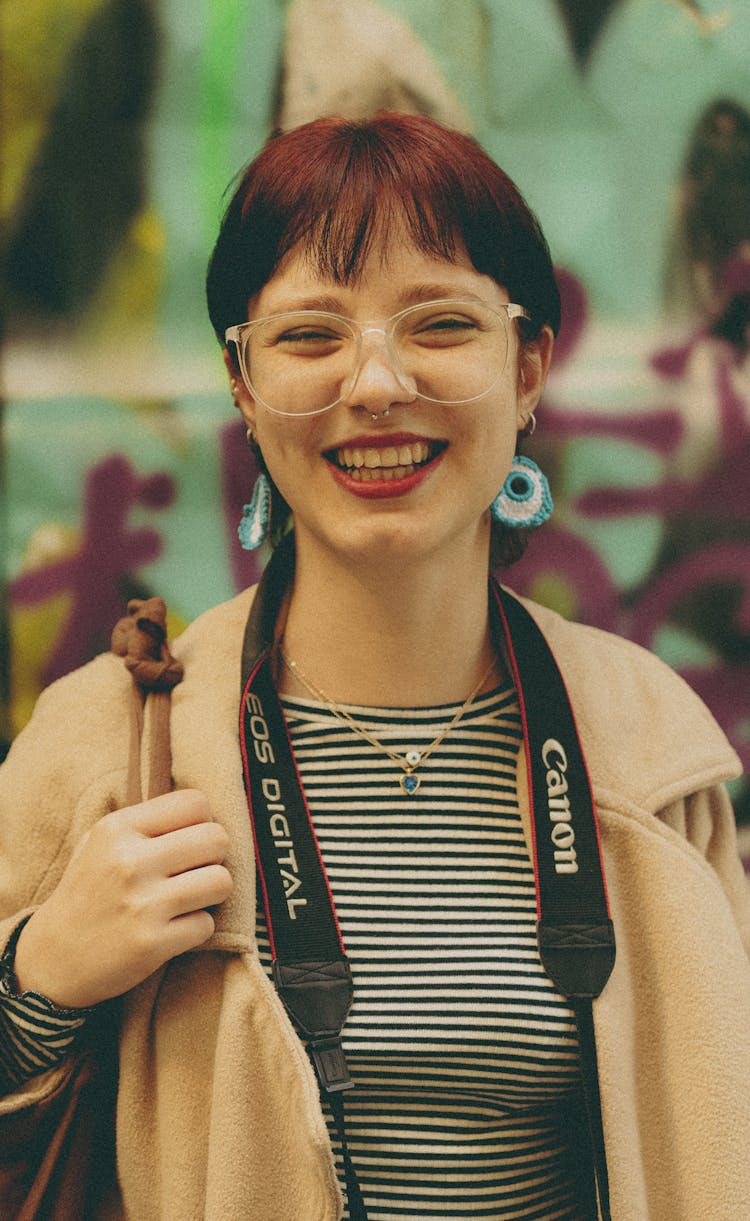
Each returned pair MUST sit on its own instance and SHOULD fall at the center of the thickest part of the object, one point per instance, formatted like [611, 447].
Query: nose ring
[375, 415]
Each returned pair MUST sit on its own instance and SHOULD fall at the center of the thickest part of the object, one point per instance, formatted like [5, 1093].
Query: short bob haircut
[328, 185]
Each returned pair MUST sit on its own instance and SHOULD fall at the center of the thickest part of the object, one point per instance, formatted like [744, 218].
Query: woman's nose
[378, 382]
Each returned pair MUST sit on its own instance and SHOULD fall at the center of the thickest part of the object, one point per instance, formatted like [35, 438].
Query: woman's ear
[241, 396]
[533, 366]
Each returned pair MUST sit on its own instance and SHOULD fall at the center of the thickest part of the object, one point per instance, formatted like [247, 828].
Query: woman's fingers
[203, 843]
[188, 932]
[160, 815]
[196, 888]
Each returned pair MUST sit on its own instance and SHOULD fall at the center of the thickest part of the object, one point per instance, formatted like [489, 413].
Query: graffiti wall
[626, 124]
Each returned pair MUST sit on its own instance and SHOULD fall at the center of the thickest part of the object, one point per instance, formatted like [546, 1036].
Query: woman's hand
[134, 894]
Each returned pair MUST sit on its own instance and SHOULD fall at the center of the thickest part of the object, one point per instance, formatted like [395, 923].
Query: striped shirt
[465, 1058]
[34, 1033]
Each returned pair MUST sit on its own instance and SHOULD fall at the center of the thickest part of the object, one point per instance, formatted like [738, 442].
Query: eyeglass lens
[447, 352]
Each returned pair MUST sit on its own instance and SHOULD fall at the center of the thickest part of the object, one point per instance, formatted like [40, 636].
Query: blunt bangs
[330, 185]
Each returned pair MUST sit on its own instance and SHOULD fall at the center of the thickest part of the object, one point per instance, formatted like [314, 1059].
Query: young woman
[387, 307]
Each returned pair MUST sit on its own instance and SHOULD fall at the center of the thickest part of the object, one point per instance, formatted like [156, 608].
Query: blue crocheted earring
[524, 499]
[256, 516]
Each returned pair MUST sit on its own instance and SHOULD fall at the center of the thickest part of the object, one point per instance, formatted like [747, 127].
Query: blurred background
[626, 123]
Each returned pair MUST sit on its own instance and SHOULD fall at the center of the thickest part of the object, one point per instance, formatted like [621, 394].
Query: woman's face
[435, 467]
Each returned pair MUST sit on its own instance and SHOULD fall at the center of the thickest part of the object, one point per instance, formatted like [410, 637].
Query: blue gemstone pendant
[409, 783]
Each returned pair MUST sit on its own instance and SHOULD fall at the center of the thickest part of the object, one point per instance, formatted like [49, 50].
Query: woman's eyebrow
[438, 291]
[309, 301]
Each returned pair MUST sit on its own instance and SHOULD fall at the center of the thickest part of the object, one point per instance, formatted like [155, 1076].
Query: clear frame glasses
[304, 362]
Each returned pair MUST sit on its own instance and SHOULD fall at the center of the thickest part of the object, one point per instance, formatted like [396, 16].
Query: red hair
[329, 183]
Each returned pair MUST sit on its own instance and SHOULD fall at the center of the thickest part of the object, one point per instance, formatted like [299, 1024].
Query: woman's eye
[310, 336]
[445, 328]
[448, 324]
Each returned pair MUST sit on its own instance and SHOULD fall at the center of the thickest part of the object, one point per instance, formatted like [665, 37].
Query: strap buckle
[330, 1064]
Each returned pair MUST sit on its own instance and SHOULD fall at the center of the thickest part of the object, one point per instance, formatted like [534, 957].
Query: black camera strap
[310, 967]
[575, 932]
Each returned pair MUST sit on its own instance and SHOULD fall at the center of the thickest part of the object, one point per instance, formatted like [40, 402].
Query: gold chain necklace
[412, 759]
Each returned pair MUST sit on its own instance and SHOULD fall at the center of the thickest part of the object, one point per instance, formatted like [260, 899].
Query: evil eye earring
[255, 523]
[524, 499]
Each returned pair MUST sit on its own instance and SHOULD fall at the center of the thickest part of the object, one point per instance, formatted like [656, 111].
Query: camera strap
[310, 967]
[575, 932]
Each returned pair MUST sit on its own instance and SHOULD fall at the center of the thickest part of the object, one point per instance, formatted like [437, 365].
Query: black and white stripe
[465, 1057]
[34, 1034]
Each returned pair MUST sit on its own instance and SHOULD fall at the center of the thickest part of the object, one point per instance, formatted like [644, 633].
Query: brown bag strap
[140, 637]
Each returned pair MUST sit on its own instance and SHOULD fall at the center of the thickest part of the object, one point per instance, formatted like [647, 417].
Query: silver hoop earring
[529, 425]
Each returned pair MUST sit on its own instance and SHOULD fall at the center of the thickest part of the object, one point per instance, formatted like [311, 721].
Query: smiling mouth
[368, 464]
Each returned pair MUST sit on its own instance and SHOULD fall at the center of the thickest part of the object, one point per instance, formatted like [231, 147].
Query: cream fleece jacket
[218, 1113]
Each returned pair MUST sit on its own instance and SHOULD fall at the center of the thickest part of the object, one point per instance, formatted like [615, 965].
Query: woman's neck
[400, 635]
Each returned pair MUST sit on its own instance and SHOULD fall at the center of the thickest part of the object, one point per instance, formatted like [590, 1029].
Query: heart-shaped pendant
[409, 783]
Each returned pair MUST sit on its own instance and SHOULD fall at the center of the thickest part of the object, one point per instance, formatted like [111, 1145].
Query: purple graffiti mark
[726, 691]
[724, 687]
[723, 494]
[574, 305]
[728, 323]
[672, 364]
[239, 470]
[108, 551]
[660, 430]
[720, 563]
[558, 552]
[726, 337]
[734, 412]
[567, 557]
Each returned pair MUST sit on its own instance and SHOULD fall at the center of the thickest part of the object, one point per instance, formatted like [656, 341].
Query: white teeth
[380, 474]
[390, 458]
